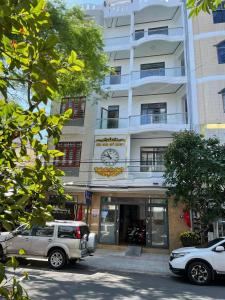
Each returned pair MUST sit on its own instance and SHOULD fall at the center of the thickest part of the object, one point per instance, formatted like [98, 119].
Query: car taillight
[77, 233]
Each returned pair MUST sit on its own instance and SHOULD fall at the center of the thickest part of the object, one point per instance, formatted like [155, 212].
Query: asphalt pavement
[82, 281]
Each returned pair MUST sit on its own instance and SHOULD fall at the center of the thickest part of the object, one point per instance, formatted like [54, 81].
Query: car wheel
[199, 273]
[57, 259]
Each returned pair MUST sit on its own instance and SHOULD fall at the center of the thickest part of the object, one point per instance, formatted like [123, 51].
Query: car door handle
[50, 240]
[27, 239]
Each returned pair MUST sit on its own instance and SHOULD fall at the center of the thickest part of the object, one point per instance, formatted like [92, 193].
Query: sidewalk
[117, 261]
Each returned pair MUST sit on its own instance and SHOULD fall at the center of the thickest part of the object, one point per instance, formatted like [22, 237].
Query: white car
[201, 263]
[59, 241]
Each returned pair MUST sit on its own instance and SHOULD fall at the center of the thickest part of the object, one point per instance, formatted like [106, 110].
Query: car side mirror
[219, 249]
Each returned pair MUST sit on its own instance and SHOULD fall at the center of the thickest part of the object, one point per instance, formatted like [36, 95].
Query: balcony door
[115, 76]
[153, 69]
[113, 116]
[152, 159]
[153, 113]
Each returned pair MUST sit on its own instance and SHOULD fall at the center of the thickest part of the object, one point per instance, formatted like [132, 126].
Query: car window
[43, 231]
[25, 232]
[66, 232]
[211, 243]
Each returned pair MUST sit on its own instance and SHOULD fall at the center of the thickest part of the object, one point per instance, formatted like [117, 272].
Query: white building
[120, 144]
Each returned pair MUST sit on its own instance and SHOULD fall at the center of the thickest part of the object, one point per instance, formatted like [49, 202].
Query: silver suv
[59, 241]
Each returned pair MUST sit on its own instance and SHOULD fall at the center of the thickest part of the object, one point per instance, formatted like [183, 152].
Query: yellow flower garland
[109, 171]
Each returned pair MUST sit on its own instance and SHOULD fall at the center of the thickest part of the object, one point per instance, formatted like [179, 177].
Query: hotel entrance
[131, 221]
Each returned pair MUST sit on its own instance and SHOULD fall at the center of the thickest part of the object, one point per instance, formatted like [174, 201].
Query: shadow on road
[82, 282]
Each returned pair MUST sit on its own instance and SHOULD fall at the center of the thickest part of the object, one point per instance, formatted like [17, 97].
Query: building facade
[165, 77]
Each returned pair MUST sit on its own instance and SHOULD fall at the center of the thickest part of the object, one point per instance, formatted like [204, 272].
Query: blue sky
[75, 2]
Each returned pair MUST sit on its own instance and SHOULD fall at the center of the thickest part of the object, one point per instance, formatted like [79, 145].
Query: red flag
[187, 218]
[80, 213]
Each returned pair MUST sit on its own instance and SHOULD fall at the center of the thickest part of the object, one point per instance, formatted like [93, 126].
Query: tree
[31, 60]
[195, 174]
[75, 31]
[196, 6]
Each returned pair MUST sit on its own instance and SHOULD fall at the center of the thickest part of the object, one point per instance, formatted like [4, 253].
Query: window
[222, 92]
[43, 231]
[113, 116]
[219, 13]
[152, 159]
[67, 232]
[115, 76]
[158, 30]
[153, 113]
[139, 34]
[72, 154]
[76, 104]
[221, 52]
[153, 69]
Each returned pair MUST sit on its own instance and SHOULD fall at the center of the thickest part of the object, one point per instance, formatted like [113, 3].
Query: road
[85, 282]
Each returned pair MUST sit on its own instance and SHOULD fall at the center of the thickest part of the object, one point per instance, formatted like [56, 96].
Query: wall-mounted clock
[109, 157]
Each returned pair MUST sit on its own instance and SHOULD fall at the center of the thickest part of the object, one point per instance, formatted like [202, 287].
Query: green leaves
[207, 6]
[195, 173]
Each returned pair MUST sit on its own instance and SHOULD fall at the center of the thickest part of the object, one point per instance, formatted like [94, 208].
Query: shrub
[189, 238]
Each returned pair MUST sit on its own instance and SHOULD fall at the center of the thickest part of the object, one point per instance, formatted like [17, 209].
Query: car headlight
[177, 255]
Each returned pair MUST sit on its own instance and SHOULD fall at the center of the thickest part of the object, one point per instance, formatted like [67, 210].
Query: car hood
[185, 249]
[4, 236]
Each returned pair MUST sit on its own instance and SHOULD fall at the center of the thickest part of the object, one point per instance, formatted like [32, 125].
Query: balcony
[144, 123]
[160, 75]
[116, 82]
[164, 33]
[141, 171]
[117, 43]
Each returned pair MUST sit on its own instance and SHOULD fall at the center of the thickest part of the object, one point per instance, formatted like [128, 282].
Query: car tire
[57, 259]
[199, 273]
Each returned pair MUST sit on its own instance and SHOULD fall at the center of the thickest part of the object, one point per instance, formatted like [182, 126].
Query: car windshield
[211, 243]
[20, 228]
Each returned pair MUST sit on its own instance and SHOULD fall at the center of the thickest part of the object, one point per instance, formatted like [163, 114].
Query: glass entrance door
[109, 228]
[156, 225]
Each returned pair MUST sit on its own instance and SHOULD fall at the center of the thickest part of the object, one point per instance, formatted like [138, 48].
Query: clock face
[109, 157]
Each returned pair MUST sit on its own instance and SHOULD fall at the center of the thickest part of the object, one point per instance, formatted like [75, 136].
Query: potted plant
[189, 238]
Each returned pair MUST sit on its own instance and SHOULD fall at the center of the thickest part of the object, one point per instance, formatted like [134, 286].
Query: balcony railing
[111, 123]
[170, 72]
[75, 122]
[176, 31]
[147, 119]
[117, 41]
[116, 79]
[141, 120]
[152, 166]
[69, 167]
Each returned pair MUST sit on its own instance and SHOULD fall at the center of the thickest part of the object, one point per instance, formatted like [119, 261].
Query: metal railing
[163, 118]
[170, 72]
[115, 41]
[141, 120]
[175, 31]
[116, 79]
[111, 123]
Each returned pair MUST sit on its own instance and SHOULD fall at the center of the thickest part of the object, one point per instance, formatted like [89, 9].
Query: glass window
[67, 232]
[158, 30]
[72, 154]
[153, 113]
[152, 159]
[153, 69]
[76, 104]
[221, 52]
[219, 13]
[113, 116]
[115, 76]
[139, 34]
[43, 231]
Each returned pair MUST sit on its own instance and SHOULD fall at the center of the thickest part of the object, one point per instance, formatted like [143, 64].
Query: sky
[75, 2]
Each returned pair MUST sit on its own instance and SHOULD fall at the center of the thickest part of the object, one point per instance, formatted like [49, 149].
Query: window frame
[219, 14]
[69, 148]
[77, 104]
